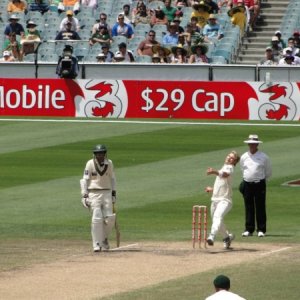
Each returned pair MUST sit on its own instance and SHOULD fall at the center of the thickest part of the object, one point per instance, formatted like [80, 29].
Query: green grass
[160, 172]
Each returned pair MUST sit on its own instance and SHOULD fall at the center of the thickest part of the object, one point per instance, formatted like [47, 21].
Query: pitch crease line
[275, 251]
[124, 247]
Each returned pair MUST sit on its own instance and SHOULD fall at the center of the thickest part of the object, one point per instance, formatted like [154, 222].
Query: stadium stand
[283, 15]
[270, 20]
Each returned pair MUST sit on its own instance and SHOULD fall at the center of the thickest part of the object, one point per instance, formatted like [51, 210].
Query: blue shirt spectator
[171, 37]
[14, 26]
[121, 28]
[212, 31]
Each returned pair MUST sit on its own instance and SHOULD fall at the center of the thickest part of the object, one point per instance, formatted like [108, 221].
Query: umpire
[256, 169]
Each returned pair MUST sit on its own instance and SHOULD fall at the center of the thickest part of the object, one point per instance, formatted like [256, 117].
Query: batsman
[98, 191]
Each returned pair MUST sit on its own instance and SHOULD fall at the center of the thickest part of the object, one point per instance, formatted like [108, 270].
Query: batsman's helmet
[100, 149]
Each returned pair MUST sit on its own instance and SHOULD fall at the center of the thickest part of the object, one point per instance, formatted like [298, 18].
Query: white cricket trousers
[101, 205]
[218, 210]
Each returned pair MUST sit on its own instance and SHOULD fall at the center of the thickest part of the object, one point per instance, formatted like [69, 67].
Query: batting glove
[85, 202]
[114, 196]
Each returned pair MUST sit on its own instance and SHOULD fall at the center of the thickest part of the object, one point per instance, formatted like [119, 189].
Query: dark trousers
[255, 206]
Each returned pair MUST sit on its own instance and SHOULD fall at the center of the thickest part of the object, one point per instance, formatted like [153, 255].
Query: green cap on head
[222, 282]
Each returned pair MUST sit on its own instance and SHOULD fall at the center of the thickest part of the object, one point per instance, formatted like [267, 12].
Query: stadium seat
[53, 21]
[159, 37]
[45, 51]
[143, 59]
[86, 11]
[49, 14]
[51, 57]
[50, 46]
[136, 40]
[91, 57]
[141, 29]
[53, 8]
[29, 57]
[86, 22]
[119, 39]
[155, 4]
[96, 48]
[50, 33]
[226, 53]
[32, 14]
[232, 41]
[218, 60]
[104, 7]
[3, 6]
[160, 28]
[211, 48]
[81, 53]
[85, 33]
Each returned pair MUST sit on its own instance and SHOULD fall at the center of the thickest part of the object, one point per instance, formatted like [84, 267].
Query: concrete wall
[140, 71]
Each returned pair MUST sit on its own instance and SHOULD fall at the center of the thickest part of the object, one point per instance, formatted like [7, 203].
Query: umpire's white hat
[253, 139]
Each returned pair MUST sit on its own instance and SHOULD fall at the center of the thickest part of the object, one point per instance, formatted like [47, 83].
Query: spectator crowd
[104, 31]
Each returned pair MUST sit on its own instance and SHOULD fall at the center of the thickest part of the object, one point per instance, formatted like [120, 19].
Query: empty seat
[143, 59]
[50, 33]
[91, 57]
[51, 57]
[81, 53]
[119, 39]
[160, 28]
[141, 29]
[224, 53]
[218, 60]
[155, 4]
[29, 57]
[85, 34]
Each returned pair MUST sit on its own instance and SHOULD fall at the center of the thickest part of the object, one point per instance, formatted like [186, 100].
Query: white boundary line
[275, 251]
[151, 122]
[291, 185]
[124, 247]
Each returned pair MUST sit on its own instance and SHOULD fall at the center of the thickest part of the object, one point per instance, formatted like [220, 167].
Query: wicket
[202, 225]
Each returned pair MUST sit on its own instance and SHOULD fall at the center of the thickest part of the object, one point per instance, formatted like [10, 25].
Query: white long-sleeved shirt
[94, 181]
[223, 185]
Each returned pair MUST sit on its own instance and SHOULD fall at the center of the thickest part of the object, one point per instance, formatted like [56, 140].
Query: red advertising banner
[150, 99]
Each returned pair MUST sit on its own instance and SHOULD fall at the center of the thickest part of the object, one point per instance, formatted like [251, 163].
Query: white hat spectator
[287, 51]
[13, 17]
[6, 53]
[101, 55]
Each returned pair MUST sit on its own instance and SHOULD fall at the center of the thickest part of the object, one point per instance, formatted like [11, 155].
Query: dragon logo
[275, 102]
[102, 99]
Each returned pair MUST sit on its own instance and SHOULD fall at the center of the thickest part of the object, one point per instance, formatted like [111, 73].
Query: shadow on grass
[280, 235]
[228, 251]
